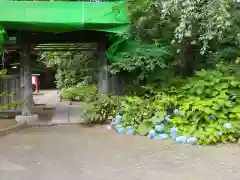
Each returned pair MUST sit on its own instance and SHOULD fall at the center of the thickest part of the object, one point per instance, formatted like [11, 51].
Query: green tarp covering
[64, 16]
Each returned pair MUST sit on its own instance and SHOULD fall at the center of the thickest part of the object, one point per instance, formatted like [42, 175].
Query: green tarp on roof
[64, 16]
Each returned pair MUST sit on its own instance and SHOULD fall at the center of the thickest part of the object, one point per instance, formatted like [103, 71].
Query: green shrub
[208, 102]
[143, 113]
[101, 110]
[86, 93]
[12, 104]
[206, 106]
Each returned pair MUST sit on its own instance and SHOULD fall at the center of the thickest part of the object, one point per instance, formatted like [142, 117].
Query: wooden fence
[10, 84]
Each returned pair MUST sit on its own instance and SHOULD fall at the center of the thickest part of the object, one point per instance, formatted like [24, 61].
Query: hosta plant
[210, 107]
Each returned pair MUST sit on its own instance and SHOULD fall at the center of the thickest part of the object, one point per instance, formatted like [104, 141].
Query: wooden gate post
[103, 84]
[26, 80]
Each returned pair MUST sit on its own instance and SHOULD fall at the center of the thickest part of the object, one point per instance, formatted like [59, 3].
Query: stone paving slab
[62, 113]
[76, 112]
[65, 112]
[48, 97]
[78, 153]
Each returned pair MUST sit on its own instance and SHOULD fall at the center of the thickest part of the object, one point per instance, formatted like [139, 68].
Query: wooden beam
[62, 50]
[103, 84]
[26, 80]
[82, 36]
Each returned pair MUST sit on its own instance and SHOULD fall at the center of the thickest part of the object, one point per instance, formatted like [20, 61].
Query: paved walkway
[72, 152]
[65, 113]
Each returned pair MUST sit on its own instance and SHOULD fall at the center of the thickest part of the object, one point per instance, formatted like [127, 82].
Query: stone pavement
[73, 152]
[65, 113]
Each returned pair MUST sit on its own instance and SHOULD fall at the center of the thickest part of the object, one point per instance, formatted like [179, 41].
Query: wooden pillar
[103, 84]
[26, 81]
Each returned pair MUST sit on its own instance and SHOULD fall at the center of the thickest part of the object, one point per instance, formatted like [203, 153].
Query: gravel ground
[73, 152]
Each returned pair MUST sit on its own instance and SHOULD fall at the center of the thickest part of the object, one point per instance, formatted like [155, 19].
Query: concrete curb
[20, 126]
[13, 128]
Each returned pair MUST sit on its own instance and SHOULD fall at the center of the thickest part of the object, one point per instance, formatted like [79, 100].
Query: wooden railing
[10, 84]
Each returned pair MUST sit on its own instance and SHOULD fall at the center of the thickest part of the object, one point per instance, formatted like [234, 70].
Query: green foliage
[3, 72]
[12, 104]
[207, 102]
[142, 113]
[139, 60]
[81, 92]
[70, 68]
[102, 110]
[211, 93]
[198, 21]
[197, 31]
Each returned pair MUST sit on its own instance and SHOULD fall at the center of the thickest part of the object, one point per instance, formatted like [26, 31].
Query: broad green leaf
[221, 115]
[199, 90]
[221, 86]
[228, 104]
[215, 93]
[216, 107]
[238, 115]
[156, 120]
[234, 83]
[148, 120]
[201, 73]
[208, 91]
[160, 114]
[177, 120]
[143, 129]
[236, 109]
[232, 116]
[208, 110]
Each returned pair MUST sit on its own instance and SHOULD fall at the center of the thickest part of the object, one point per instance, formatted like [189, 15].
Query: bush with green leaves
[71, 68]
[102, 110]
[210, 106]
[205, 107]
[143, 113]
[140, 61]
[81, 92]
[12, 104]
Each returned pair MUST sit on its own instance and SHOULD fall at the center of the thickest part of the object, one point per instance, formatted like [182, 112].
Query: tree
[195, 28]
[70, 68]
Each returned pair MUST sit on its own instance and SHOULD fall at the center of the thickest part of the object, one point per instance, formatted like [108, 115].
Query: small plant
[101, 110]
[12, 104]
